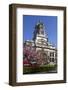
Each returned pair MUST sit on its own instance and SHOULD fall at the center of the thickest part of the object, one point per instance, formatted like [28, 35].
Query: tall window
[52, 57]
[52, 54]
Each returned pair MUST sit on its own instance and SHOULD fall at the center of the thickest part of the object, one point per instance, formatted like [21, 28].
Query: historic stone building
[41, 43]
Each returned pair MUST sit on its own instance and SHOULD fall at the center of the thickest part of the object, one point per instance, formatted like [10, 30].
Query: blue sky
[50, 23]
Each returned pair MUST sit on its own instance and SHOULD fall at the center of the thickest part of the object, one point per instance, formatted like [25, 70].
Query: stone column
[48, 56]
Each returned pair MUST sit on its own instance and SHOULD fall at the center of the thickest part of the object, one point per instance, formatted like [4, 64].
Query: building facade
[40, 42]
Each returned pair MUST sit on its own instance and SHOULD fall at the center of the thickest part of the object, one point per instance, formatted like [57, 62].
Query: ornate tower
[40, 37]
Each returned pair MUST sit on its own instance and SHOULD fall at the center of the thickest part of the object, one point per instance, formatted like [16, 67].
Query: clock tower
[40, 37]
